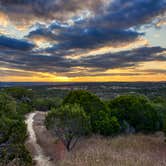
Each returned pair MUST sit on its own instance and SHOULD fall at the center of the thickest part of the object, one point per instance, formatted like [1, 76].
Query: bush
[101, 120]
[12, 132]
[85, 99]
[45, 104]
[23, 108]
[103, 123]
[7, 105]
[138, 112]
[20, 93]
[68, 122]
[15, 155]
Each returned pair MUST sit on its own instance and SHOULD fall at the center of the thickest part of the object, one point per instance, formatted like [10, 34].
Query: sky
[82, 41]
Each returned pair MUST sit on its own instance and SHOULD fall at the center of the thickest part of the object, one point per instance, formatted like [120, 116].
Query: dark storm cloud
[117, 13]
[41, 30]
[46, 6]
[12, 43]
[32, 61]
[115, 25]
[48, 9]
[127, 13]
[124, 58]
[76, 38]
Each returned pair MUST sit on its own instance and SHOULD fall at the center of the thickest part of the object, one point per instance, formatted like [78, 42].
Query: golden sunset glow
[4, 20]
[41, 42]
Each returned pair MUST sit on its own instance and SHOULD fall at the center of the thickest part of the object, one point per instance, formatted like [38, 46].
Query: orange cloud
[4, 20]
[30, 76]
[42, 42]
[161, 23]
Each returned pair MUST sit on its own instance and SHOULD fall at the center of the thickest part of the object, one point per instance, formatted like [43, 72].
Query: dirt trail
[42, 145]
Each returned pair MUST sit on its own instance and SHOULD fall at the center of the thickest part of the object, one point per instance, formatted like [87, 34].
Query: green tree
[138, 111]
[69, 123]
[103, 123]
[85, 99]
[100, 117]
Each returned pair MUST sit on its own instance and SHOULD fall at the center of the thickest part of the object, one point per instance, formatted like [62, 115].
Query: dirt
[43, 146]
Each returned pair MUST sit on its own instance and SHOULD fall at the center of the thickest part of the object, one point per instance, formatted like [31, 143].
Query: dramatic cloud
[11, 43]
[48, 9]
[69, 37]
[125, 58]
[55, 34]
[58, 64]
[127, 13]
[114, 26]
[114, 12]
[92, 38]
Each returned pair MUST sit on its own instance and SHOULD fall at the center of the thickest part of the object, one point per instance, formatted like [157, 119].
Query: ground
[52, 146]
[131, 150]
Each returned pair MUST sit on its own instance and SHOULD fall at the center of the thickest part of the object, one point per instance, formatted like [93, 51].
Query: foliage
[87, 100]
[18, 155]
[20, 93]
[13, 131]
[69, 122]
[138, 111]
[103, 123]
[160, 100]
[101, 120]
[45, 104]
[23, 108]
[51, 92]
[7, 105]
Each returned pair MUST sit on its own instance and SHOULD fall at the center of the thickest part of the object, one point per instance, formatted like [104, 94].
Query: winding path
[39, 155]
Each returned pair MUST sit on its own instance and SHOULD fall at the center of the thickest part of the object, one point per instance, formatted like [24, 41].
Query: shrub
[138, 111]
[7, 105]
[23, 108]
[20, 93]
[103, 123]
[85, 99]
[101, 120]
[45, 104]
[12, 132]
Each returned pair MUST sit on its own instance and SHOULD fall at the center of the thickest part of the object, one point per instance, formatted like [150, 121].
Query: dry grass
[134, 150]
